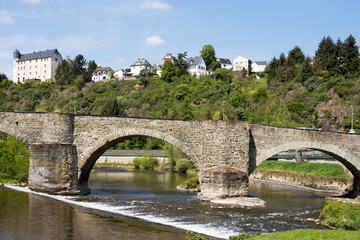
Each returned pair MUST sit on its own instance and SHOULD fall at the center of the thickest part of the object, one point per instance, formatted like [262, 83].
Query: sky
[115, 33]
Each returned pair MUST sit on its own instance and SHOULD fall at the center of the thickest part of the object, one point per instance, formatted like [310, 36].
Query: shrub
[341, 215]
[183, 165]
[191, 183]
[243, 236]
[149, 162]
[136, 162]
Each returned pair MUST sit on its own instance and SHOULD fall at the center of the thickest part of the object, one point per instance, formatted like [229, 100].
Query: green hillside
[293, 91]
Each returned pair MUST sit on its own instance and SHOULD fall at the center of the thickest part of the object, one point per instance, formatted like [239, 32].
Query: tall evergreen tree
[326, 55]
[350, 54]
[296, 56]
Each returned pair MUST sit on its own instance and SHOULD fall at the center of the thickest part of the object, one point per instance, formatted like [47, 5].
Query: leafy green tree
[89, 71]
[112, 108]
[78, 65]
[168, 71]
[180, 64]
[223, 75]
[208, 54]
[63, 74]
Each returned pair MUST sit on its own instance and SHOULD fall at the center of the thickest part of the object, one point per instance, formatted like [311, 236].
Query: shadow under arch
[93, 153]
[334, 151]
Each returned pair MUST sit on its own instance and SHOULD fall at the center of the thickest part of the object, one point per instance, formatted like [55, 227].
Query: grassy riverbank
[310, 234]
[317, 169]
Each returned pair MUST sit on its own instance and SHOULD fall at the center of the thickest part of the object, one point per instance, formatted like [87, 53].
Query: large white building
[241, 63]
[139, 65]
[258, 66]
[101, 74]
[197, 66]
[37, 65]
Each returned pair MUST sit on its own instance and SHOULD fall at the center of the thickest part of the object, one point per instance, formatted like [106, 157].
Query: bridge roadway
[65, 147]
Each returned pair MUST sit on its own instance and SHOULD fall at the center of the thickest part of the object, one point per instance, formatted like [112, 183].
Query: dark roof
[224, 61]
[260, 62]
[40, 54]
[100, 71]
[194, 61]
[141, 62]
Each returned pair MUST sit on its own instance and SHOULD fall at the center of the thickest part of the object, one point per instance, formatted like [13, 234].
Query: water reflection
[28, 216]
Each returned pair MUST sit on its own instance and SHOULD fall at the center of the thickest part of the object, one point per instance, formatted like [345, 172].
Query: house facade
[139, 65]
[258, 66]
[167, 57]
[241, 63]
[196, 65]
[102, 74]
[37, 65]
[224, 63]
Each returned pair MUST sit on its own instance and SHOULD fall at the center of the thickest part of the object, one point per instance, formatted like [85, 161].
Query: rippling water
[131, 204]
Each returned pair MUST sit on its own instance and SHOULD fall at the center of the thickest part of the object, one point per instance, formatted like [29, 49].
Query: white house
[241, 63]
[167, 57]
[37, 65]
[101, 74]
[139, 65]
[224, 63]
[119, 74]
[258, 66]
[196, 65]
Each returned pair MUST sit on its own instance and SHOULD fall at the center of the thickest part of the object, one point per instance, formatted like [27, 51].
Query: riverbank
[323, 178]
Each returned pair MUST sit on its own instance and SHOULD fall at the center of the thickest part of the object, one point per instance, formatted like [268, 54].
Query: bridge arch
[15, 134]
[93, 152]
[340, 154]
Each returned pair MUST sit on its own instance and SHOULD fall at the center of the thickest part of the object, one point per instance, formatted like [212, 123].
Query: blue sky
[116, 33]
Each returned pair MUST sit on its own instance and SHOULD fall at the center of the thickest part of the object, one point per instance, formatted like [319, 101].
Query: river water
[135, 204]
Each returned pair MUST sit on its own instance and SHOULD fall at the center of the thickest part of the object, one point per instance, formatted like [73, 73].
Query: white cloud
[153, 41]
[155, 5]
[32, 1]
[5, 18]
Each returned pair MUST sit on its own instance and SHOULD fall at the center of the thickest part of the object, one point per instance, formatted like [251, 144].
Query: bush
[146, 162]
[183, 165]
[191, 183]
[243, 236]
[136, 162]
[341, 215]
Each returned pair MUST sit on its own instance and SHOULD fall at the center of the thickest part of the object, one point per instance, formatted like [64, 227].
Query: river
[137, 204]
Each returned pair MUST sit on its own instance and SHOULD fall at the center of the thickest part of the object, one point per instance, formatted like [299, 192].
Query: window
[55, 59]
[44, 65]
[35, 66]
[29, 73]
[24, 67]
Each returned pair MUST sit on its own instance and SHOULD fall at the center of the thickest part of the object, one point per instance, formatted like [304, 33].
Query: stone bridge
[65, 147]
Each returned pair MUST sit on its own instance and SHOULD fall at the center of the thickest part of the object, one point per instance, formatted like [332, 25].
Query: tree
[350, 54]
[78, 65]
[180, 64]
[168, 71]
[2, 76]
[112, 108]
[63, 74]
[326, 55]
[296, 56]
[223, 75]
[90, 69]
[208, 54]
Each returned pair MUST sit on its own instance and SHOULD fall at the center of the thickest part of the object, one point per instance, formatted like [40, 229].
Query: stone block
[223, 182]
